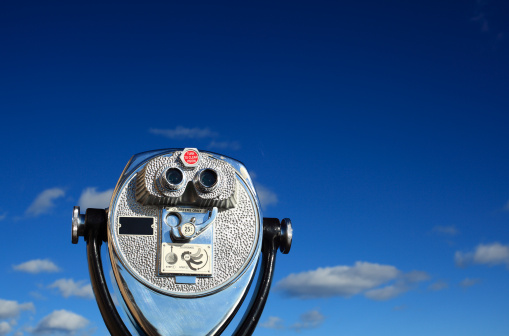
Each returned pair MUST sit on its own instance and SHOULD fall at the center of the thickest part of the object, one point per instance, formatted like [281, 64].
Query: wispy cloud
[490, 22]
[481, 19]
[91, 198]
[402, 284]
[346, 281]
[273, 322]
[12, 309]
[399, 308]
[446, 230]
[44, 202]
[224, 145]
[3, 216]
[37, 266]
[266, 196]
[37, 295]
[5, 328]
[386, 293]
[309, 320]
[68, 287]
[181, 132]
[484, 254]
[506, 207]
[469, 282]
[438, 286]
[60, 322]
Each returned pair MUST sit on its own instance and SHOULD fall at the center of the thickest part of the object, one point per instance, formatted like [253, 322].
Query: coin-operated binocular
[185, 237]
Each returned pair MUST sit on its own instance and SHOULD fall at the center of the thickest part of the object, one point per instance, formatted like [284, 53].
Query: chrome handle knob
[78, 224]
[285, 239]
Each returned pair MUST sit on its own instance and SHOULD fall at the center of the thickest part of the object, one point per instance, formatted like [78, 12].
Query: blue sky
[379, 128]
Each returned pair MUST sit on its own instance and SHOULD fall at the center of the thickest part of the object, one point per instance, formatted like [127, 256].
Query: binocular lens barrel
[208, 178]
[174, 176]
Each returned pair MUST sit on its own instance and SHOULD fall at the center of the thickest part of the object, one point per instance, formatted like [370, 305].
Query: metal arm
[270, 244]
[95, 233]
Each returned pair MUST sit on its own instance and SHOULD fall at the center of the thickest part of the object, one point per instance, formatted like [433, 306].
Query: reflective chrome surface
[160, 312]
[78, 224]
[186, 218]
[201, 186]
[286, 236]
[163, 180]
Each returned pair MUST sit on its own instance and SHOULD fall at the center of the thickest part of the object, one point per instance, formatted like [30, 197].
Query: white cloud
[181, 132]
[469, 282]
[266, 196]
[273, 322]
[10, 309]
[347, 281]
[484, 254]
[3, 216]
[446, 230]
[493, 254]
[91, 198]
[309, 320]
[68, 287]
[5, 328]
[223, 145]
[61, 321]
[44, 202]
[506, 207]
[338, 280]
[37, 266]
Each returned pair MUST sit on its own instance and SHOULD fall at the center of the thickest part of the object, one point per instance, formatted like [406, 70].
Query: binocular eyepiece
[185, 235]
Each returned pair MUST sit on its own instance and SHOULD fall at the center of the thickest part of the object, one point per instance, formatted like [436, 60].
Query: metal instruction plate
[191, 259]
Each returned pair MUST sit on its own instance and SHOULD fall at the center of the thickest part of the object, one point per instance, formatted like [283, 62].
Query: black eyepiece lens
[174, 176]
[208, 178]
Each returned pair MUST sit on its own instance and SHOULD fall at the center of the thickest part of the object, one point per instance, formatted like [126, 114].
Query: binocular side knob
[286, 235]
[78, 224]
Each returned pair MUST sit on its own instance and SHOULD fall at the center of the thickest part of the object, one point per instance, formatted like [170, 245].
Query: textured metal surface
[236, 230]
[150, 193]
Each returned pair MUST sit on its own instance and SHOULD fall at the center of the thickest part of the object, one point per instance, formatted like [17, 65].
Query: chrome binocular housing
[185, 237]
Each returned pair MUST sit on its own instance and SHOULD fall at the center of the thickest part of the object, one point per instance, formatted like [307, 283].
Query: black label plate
[140, 226]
